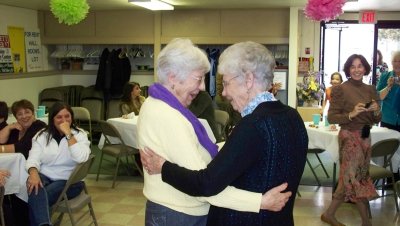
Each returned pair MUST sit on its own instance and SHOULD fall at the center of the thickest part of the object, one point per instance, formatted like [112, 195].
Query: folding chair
[63, 205]
[386, 149]
[113, 110]
[48, 97]
[93, 101]
[116, 149]
[82, 118]
[397, 189]
[316, 151]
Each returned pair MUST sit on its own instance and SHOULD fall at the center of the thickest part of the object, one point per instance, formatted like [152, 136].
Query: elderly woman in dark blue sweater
[266, 148]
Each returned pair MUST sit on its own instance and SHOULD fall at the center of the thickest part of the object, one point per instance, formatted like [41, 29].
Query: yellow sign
[17, 41]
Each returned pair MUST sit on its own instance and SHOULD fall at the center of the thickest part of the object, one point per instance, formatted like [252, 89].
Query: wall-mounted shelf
[87, 57]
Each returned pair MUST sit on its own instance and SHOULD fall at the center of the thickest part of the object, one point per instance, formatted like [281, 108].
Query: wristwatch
[69, 136]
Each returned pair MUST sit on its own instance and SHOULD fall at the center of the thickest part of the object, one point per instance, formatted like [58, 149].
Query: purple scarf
[160, 92]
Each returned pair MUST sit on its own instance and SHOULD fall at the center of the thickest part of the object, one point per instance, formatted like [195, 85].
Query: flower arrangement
[310, 89]
[318, 10]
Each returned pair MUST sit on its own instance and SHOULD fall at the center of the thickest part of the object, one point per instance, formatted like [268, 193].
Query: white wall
[17, 17]
[29, 88]
[26, 88]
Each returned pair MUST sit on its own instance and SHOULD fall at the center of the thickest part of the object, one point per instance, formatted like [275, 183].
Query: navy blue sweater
[265, 149]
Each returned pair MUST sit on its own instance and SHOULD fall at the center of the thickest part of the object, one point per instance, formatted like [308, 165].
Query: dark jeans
[39, 205]
[158, 215]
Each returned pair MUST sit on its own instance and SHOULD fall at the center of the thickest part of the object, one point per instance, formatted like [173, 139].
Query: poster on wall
[17, 36]
[33, 51]
[281, 77]
[6, 64]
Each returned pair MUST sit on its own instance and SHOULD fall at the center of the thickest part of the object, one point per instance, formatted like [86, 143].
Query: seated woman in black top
[17, 137]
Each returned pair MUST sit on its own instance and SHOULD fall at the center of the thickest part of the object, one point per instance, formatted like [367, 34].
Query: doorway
[340, 39]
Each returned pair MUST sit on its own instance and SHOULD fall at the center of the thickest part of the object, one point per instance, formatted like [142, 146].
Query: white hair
[181, 57]
[395, 55]
[245, 57]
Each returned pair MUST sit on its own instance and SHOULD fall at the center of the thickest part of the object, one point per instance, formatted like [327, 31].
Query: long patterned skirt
[355, 183]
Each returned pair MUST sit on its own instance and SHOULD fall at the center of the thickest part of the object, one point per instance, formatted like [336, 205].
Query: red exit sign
[367, 17]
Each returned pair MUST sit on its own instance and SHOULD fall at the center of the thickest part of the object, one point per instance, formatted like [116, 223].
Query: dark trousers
[16, 211]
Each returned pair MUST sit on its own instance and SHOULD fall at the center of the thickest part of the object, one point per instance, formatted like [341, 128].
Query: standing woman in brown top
[355, 108]
[131, 99]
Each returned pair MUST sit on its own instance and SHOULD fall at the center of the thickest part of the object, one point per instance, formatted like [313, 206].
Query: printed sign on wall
[6, 65]
[17, 42]
[33, 50]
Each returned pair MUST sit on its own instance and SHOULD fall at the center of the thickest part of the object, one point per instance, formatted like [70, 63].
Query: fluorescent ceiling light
[152, 4]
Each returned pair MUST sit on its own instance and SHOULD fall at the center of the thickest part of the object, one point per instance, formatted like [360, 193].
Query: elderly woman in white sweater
[55, 152]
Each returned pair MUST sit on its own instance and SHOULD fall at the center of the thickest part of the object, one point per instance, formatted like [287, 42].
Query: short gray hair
[244, 57]
[180, 57]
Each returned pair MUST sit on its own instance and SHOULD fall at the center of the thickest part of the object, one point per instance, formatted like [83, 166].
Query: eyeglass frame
[202, 79]
[226, 83]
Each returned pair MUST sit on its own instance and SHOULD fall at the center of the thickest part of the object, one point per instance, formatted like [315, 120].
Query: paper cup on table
[316, 118]
[40, 112]
[42, 107]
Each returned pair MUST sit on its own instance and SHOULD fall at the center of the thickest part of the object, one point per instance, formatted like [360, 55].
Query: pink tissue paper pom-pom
[326, 10]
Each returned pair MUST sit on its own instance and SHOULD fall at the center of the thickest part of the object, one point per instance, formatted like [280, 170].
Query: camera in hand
[368, 104]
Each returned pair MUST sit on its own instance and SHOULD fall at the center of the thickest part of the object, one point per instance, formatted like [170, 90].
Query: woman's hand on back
[151, 161]
[275, 199]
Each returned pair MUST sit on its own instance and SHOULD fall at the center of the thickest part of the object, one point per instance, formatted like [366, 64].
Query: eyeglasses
[226, 83]
[199, 79]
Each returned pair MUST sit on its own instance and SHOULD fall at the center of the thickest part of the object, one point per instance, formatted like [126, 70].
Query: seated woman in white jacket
[56, 150]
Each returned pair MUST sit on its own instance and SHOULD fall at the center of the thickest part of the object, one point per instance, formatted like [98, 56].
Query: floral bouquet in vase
[311, 90]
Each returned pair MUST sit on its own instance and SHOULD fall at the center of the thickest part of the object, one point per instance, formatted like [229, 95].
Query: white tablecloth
[328, 140]
[128, 130]
[16, 183]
